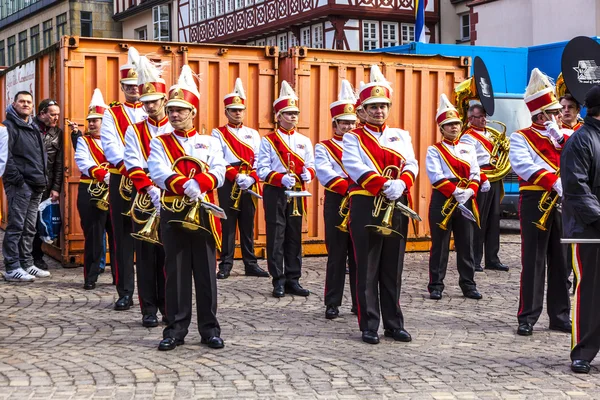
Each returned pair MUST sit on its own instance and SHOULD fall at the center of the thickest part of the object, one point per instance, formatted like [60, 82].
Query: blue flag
[420, 21]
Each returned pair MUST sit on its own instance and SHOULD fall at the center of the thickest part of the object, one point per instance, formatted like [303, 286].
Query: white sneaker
[38, 273]
[18, 275]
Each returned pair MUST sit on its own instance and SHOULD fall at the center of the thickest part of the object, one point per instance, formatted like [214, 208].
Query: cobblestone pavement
[59, 341]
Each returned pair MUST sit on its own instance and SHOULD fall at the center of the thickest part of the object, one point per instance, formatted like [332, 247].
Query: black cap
[592, 97]
[44, 104]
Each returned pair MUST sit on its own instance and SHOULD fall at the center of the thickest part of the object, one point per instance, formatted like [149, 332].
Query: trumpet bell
[192, 221]
[383, 230]
[149, 233]
[101, 203]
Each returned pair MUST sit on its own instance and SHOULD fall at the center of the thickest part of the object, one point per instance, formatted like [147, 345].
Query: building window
[220, 5]
[193, 11]
[272, 41]
[370, 35]
[229, 6]
[389, 33]
[317, 36]
[11, 50]
[465, 27]
[282, 42]
[141, 33]
[408, 33]
[239, 4]
[47, 26]
[2, 54]
[86, 23]
[210, 9]
[250, 43]
[22, 45]
[34, 34]
[202, 10]
[292, 39]
[305, 36]
[161, 22]
[251, 2]
[61, 24]
[261, 42]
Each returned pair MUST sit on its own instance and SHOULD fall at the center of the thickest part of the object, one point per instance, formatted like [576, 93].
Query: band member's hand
[246, 182]
[154, 194]
[288, 181]
[394, 189]
[461, 195]
[305, 175]
[107, 178]
[485, 186]
[554, 129]
[73, 125]
[558, 187]
[192, 189]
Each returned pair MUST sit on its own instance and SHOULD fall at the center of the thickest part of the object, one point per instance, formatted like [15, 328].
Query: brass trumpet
[99, 191]
[344, 213]
[547, 203]
[450, 206]
[381, 202]
[296, 191]
[236, 191]
[149, 232]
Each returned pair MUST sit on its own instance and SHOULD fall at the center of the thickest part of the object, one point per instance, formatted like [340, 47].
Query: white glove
[107, 178]
[154, 194]
[554, 129]
[485, 187]
[246, 182]
[192, 189]
[394, 189]
[305, 175]
[558, 187]
[463, 195]
[288, 181]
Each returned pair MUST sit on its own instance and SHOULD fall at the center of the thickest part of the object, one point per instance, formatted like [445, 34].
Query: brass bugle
[99, 191]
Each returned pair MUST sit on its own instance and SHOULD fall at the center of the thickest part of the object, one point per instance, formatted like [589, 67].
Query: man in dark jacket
[24, 183]
[47, 122]
[580, 174]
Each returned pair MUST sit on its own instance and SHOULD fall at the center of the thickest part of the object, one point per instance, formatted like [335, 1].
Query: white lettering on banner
[21, 78]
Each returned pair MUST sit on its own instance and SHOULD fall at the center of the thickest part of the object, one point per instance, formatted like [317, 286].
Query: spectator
[24, 183]
[3, 148]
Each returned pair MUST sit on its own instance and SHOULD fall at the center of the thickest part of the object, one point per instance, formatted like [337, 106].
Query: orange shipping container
[70, 70]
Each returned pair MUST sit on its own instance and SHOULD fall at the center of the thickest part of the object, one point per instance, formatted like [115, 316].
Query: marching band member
[581, 217]
[239, 144]
[535, 158]
[368, 151]
[453, 171]
[360, 111]
[93, 165]
[150, 257]
[285, 161]
[331, 174]
[114, 124]
[570, 112]
[188, 252]
[490, 193]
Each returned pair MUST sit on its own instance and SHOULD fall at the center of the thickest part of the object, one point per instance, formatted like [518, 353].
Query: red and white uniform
[447, 161]
[88, 157]
[328, 161]
[114, 125]
[239, 144]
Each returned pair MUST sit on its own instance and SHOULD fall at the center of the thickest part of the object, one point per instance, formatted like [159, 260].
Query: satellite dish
[581, 66]
[484, 86]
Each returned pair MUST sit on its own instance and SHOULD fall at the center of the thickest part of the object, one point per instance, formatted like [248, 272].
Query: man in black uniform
[580, 161]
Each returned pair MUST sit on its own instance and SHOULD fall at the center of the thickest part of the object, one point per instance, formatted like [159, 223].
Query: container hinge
[124, 46]
[302, 51]
[272, 51]
[222, 51]
[167, 48]
[183, 49]
[72, 42]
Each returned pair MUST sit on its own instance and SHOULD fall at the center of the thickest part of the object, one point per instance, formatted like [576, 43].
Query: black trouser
[440, 245]
[284, 236]
[586, 316]
[95, 224]
[123, 241]
[245, 217]
[36, 250]
[339, 249]
[489, 235]
[150, 272]
[537, 248]
[189, 253]
[379, 265]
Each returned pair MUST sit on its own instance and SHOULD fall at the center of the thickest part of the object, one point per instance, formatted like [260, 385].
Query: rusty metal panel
[417, 81]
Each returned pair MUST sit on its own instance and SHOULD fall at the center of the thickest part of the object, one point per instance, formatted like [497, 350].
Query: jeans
[23, 205]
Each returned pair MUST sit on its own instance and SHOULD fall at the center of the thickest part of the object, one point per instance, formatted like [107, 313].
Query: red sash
[481, 139]
[543, 146]
[335, 151]
[96, 151]
[144, 137]
[122, 120]
[380, 156]
[459, 167]
[284, 151]
[239, 148]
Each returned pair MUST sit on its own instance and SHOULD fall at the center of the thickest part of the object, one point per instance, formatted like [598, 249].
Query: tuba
[547, 203]
[99, 191]
[463, 94]
[143, 205]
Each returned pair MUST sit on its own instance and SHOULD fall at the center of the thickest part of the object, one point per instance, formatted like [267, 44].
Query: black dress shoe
[399, 335]
[89, 286]
[41, 264]
[525, 329]
[278, 291]
[295, 289]
[169, 344]
[257, 271]
[567, 328]
[223, 274]
[149, 321]
[370, 337]
[435, 295]
[498, 267]
[580, 366]
[478, 268]
[124, 303]
[214, 342]
[354, 310]
[473, 294]
[332, 312]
